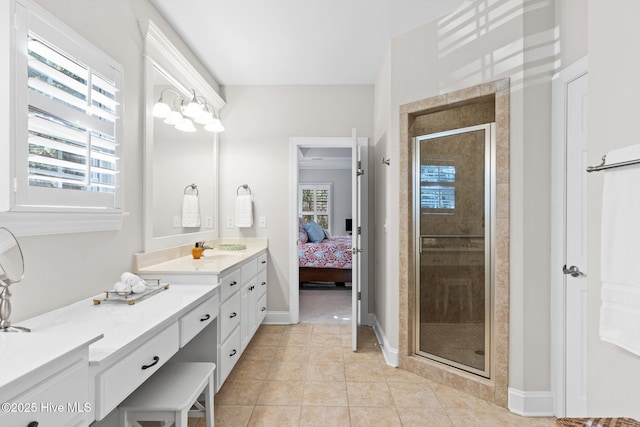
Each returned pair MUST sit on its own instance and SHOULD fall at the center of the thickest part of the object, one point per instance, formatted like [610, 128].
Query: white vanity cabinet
[253, 298]
[239, 312]
[229, 342]
[136, 341]
[44, 380]
[240, 277]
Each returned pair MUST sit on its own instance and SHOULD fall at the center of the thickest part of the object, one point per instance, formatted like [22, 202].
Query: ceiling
[296, 42]
[324, 158]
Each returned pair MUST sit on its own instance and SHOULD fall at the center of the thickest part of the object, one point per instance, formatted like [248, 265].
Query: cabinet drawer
[57, 401]
[261, 286]
[198, 318]
[117, 382]
[229, 316]
[229, 355]
[262, 261]
[249, 270]
[262, 308]
[229, 283]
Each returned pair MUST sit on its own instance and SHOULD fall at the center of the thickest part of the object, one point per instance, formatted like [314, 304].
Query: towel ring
[244, 187]
[193, 187]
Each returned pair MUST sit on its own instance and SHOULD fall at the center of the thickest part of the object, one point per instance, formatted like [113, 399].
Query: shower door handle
[573, 271]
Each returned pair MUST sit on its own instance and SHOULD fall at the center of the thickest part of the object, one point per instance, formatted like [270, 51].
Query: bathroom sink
[221, 255]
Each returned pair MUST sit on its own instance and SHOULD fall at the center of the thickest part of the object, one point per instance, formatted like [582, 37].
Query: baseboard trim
[531, 403]
[390, 354]
[277, 318]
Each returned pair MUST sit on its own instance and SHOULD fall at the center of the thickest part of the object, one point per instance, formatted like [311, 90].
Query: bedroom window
[314, 203]
[437, 187]
[67, 124]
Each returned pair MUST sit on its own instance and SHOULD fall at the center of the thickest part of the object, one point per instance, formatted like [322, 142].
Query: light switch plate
[262, 222]
[208, 222]
[177, 223]
[229, 222]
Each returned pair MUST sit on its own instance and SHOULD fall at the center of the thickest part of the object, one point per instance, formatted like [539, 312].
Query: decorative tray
[129, 298]
[231, 247]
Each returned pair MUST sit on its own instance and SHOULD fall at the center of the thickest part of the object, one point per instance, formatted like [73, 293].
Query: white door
[575, 248]
[356, 172]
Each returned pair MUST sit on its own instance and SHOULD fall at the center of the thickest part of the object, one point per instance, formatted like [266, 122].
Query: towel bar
[193, 187]
[602, 165]
[244, 187]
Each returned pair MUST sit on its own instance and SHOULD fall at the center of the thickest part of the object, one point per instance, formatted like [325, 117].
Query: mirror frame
[163, 56]
[4, 278]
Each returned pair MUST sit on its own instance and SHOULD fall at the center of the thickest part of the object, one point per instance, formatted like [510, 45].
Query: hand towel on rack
[244, 210]
[620, 257]
[190, 211]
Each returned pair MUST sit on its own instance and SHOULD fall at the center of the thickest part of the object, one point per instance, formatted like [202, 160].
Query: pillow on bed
[327, 233]
[315, 232]
[303, 237]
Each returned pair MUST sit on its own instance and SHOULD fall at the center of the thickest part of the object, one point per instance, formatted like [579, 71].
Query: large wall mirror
[175, 160]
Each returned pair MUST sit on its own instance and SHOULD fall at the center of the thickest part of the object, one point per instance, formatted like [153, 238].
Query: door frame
[295, 143]
[557, 280]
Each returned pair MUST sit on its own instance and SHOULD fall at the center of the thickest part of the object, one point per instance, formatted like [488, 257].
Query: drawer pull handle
[263, 308]
[205, 318]
[33, 424]
[263, 262]
[232, 315]
[156, 359]
[233, 283]
[263, 283]
[233, 353]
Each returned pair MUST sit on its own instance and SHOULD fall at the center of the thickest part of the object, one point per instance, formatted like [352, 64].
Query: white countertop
[22, 353]
[213, 261]
[121, 324]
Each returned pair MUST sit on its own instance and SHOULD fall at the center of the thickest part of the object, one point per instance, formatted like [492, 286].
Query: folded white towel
[190, 211]
[139, 287]
[244, 211]
[129, 278]
[121, 287]
[620, 308]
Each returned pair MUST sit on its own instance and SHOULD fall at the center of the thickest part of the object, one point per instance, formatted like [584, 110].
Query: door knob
[573, 271]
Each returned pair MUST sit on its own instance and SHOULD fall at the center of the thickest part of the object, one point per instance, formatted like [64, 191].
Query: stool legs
[208, 397]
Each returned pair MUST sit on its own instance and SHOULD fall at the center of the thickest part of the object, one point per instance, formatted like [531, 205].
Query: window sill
[42, 223]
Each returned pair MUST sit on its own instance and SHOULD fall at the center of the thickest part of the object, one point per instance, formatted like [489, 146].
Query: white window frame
[30, 210]
[317, 185]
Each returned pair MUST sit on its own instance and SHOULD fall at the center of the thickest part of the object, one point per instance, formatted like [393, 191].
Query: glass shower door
[453, 213]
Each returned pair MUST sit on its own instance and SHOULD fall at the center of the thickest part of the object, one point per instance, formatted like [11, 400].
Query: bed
[326, 260]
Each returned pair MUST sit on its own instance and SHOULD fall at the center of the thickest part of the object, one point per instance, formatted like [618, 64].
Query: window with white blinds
[314, 203]
[72, 115]
[68, 149]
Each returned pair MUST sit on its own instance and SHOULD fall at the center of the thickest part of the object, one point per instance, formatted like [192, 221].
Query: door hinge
[15, 184]
[359, 230]
[360, 171]
[359, 296]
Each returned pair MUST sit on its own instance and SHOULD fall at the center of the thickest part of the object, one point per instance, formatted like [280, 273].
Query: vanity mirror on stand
[11, 272]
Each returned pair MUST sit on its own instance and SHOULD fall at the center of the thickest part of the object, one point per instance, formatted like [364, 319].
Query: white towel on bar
[190, 211]
[620, 252]
[244, 211]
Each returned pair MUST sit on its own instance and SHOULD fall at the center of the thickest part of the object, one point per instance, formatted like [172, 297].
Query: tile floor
[307, 375]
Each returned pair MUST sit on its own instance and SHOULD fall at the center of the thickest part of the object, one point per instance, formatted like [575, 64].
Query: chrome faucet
[203, 246]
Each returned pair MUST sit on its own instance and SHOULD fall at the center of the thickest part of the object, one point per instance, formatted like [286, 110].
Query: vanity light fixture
[186, 112]
[186, 125]
[194, 107]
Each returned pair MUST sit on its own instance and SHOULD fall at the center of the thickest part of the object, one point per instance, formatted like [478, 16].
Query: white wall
[613, 374]
[61, 269]
[341, 198]
[479, 43]
[255, 151]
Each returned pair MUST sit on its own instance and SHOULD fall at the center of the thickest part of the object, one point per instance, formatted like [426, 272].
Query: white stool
[464, 289]
[169, 394]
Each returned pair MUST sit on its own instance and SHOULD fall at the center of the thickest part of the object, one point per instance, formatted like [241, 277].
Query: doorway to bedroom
[322, 218]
